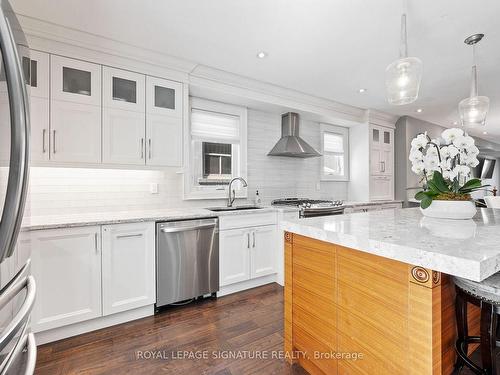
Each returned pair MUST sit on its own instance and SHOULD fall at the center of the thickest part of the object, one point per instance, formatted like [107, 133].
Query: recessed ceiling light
[419, 110]
[262, 55]
[485, 133]
[455, 122]
[361, 91]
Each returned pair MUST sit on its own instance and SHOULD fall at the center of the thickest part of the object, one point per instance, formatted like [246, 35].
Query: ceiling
[328, 48]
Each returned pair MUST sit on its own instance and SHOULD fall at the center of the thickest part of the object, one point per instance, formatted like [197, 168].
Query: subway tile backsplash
[56, 190]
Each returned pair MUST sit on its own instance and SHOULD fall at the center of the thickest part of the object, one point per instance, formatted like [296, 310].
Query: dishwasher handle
[185, 229]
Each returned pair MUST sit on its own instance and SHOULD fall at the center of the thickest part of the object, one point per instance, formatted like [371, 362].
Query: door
[128, 266]
[75, 110]
[381, 188]
[124, 137]
[263, 251]
[164, 140]
[387, 151]
[123, 89]
[234, 256]
[164, 107]
[39, 86]
[66, 264]
[75, 132]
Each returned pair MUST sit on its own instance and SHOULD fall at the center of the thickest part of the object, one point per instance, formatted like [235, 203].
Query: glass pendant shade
[402, 80]
[473, 111]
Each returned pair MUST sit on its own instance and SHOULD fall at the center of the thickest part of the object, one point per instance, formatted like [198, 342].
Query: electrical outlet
[153, 188]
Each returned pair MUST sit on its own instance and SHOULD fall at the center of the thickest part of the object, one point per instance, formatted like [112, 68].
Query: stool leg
[462, 330]
[488, 338]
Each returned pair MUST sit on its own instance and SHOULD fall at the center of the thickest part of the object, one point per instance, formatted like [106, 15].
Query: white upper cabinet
[164, 107]
[128, 266]
[164, 141]
[123, 89]
[39, 106]
[163, 97]
[75, 81]
[381, 150]
[124, 119]
[75, 112]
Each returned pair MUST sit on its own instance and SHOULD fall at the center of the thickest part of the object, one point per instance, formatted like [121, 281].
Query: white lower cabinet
[234, 249]
[263, 251]
[66, 264]
[128, 266]
[247, 253]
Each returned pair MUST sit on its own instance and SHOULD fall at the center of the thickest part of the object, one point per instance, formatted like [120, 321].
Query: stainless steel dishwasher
[187, 260]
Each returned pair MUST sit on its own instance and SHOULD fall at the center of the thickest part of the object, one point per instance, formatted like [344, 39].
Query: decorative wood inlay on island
[349, 311]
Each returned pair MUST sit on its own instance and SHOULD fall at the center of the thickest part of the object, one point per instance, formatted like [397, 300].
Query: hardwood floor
[250, 322]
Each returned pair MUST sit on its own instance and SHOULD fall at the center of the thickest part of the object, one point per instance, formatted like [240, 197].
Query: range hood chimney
[291, 144]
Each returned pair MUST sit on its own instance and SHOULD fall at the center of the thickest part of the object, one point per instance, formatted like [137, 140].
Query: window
[334, 147]
[217, 149]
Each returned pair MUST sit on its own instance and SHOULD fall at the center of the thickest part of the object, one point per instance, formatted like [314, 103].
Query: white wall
[78, 190]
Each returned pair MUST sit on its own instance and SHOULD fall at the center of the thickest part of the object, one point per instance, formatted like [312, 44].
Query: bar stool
[486, 295]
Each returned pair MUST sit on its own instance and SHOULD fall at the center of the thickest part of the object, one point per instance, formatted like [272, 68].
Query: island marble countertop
[463, 248]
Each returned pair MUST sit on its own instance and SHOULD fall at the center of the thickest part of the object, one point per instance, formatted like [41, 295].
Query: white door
[234, 260]
[163, 97]
[66, 264]
[124, 139]
[387, 151]
[263, 251]
[75, 132]
[381, 188]
[128, 266]
[164, 140]
[39, 105]
[75, 81]
[123, 89]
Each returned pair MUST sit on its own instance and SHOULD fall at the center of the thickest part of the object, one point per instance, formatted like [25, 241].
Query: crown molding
[380, 118]
[61, 40]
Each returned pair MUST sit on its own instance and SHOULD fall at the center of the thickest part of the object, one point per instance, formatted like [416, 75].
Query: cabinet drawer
[247, 220]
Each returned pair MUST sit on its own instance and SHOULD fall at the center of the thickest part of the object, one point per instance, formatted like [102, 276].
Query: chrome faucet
[231, 198]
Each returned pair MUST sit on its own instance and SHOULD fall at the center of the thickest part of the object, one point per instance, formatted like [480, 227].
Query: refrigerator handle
[15, 195]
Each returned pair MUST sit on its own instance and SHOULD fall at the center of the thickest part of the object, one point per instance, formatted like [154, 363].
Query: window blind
[333, 143]
[206, 125]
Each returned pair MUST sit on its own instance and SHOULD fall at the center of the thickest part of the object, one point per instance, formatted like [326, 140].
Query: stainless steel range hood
[291, 144]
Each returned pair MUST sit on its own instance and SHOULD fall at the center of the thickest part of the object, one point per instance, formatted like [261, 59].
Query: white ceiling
[328, 48]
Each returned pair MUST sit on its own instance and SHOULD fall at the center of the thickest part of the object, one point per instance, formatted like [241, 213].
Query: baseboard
[248, 284]
[60, 333]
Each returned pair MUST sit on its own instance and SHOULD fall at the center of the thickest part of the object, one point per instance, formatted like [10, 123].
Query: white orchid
[473, 151]
[449, 135]
[420, 141]
[449, 175]
[463, 142]
[462, 169]
[452, 151]
[416, 156]
[418, 168]
[431, 162]
[471, 161]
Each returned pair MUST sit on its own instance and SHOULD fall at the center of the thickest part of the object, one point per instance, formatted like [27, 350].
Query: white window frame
[344, 132]
[214, 192]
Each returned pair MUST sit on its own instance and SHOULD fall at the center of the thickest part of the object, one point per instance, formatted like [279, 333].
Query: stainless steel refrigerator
[17, 286]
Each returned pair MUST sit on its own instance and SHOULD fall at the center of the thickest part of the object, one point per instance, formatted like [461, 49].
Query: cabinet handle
[142, 148]
[149, 147]
[253, 233]
[54, 141]
[248, 240]
[129, 235]
[383, 166]
[95, 242]
[44, 131]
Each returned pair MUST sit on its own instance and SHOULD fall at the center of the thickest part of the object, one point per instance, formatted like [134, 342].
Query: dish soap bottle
[258, 201]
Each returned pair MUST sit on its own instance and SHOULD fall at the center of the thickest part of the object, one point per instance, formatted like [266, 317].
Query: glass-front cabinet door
[75, 81]
[123, 89]
[164, 97]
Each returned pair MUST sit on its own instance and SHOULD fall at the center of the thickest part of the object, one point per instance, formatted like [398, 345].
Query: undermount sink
[236, 208]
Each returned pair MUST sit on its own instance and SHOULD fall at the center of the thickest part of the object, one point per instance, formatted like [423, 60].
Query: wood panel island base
[350, 312]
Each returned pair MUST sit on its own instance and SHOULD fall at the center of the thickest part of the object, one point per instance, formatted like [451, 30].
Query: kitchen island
[371, 293]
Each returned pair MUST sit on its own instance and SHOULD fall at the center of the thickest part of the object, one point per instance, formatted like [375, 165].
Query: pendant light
[473, 110]
[403, 76]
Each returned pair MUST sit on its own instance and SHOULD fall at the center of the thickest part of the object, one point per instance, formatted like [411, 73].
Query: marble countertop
[463, 248]
[78, 220]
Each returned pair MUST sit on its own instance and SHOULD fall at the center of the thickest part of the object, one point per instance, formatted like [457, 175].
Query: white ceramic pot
[450, 210]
